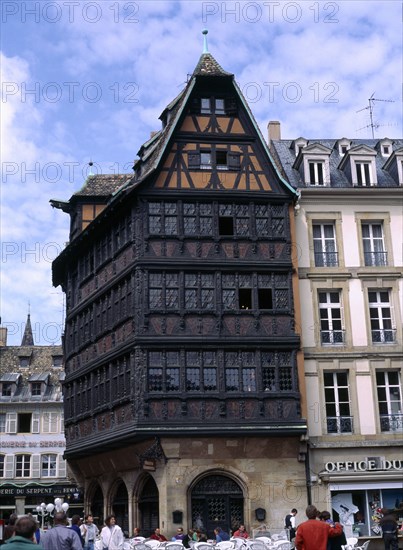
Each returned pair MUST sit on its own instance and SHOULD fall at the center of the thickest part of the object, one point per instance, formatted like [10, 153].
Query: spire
[205, 47]
[207, 65]
[28, 338]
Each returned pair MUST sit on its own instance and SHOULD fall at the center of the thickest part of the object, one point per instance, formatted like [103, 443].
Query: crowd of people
[318, 532]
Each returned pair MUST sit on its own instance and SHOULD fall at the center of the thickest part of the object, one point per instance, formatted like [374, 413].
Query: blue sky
[87, 80]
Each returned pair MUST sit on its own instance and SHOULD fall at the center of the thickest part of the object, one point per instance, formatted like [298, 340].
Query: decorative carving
[153, 453]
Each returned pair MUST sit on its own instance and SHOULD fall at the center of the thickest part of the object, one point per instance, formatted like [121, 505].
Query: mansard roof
[40, 369]
[284, 155]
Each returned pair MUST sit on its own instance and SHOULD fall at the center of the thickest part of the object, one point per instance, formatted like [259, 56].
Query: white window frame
[2, 466]
[26, 458]
[360, 159]
[375, 244]
[50, 422]
[325, 243]
[379, 306]
[394, 416]
[3, 423]
[316, 158]
[11, 423]
[49, 465]
[335, 335]
[343, 143]
[316, 172]
[338, 404]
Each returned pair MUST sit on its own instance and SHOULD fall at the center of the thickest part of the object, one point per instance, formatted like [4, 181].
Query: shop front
[359, 490]
[24, 499]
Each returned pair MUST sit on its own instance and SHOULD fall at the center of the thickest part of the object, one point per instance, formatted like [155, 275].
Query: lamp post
[48, 510]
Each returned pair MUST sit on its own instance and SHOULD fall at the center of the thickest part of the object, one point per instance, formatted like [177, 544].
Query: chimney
[274, 130]
[3, 337]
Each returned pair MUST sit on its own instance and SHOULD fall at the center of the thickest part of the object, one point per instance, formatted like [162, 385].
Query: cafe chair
[363, 547]
[282, 545]
[203, 546]
[256, 544]
[225, 545]
[153, 544]
[352, 541]
[175, 545]
[266, 540]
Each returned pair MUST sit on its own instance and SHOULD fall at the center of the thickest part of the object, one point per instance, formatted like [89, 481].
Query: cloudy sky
[87, 80]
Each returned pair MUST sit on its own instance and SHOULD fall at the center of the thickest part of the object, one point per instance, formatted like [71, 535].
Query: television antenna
[373, 125]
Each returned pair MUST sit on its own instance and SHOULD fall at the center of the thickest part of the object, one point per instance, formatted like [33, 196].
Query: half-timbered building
[184, 378]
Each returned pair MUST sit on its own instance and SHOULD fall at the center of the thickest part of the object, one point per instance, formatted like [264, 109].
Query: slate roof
[28, 338]
[39, 370]
[102, 185]
[208, 66]
[284, 156]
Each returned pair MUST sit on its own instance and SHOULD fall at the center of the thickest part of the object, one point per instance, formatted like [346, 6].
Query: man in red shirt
[313, 534]
[157, 536]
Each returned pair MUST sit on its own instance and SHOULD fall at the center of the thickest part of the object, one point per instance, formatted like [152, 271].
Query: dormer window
[394, 165]
[358, 164]
[8, 384]
[343, 145]
[7, 389]
[36, 389]
[299, 144]
[313, 164]
[38, 383]
[363, 173]
[316, 172]
[385, 147]
[24, 362]
[57, 361]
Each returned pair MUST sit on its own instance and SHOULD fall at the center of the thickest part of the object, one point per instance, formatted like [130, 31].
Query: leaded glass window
[262, 217]
[199, 291]
[162, 218]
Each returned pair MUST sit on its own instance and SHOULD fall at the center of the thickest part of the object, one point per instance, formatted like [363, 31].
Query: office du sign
[364, 465]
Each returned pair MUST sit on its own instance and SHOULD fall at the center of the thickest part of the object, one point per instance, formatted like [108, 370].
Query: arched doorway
[97, 506]
[217, 500]
[120, 507]
[149, 507]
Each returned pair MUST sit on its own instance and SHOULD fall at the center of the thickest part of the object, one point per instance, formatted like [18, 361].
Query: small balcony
[326, 259]
[332, 337]
[375, 258]
[391, 422]
[339, 424]
[384, 336]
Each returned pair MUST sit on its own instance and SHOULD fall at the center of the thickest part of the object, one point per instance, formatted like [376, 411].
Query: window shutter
[9, 466]
[61, 466]
[195, 105]
[35, 423]
[234, 160]
[36, 466]
[193, 160]
[11, 423]
[230, 106]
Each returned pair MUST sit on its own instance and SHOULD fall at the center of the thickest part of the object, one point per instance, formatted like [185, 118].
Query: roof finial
[205, 47]
[90, 164]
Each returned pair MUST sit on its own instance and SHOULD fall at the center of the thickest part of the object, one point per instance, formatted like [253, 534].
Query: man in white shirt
[289, 522]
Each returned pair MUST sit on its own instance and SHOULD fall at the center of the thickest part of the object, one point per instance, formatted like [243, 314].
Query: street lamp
[48, 510]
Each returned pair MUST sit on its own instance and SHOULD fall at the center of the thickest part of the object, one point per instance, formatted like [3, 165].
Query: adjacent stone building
[32, 442]
[184, 389]
[349, 237]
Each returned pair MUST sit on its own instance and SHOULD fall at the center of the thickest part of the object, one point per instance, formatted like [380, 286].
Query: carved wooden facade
[179, 292]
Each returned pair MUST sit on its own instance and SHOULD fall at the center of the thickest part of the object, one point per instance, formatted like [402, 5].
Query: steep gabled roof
[208, 66]
[28, 337]
[152, 151]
